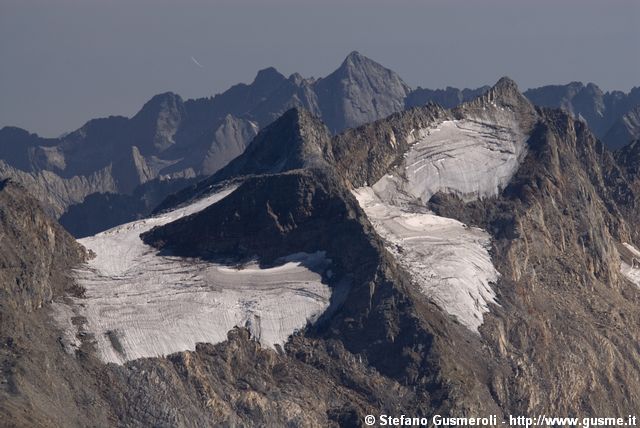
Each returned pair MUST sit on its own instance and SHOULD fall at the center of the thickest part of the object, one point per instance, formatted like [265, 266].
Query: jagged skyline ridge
[69, 64]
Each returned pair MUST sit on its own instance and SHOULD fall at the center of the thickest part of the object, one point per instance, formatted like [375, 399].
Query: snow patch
[472, 159]
[447, 260]
[630, 263]
[141, 304]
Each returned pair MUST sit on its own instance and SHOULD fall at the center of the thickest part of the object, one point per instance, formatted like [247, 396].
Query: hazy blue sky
[64, 62]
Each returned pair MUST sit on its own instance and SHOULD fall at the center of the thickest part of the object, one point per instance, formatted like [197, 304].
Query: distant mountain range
[612, 116]
[128, 166]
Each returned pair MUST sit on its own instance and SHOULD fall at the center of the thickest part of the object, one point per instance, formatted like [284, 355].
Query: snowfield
[629, 271]
[469, 158]
[141, 304]
[447, 260]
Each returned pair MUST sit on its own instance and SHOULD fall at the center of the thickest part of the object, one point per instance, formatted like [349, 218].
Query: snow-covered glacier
[447, 260]
[450, 262]
[470, 158]
[139, 303]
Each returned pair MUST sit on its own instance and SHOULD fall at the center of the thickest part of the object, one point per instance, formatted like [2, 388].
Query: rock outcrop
[36, 252]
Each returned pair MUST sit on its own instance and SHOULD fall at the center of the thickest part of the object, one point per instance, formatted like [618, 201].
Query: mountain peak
[14, 132]
[497, 102]
[267, 76]
[297, 114]
[593, 87]
[505, 83]
[297, 79]
[356, 60]
[359, 91]
[157, 122]
[164, 97]
[168, 101]
[504, 93]
[297, 139]
[354, 56]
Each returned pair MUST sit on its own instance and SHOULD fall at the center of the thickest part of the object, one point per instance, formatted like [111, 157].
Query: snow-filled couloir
[139, 303]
